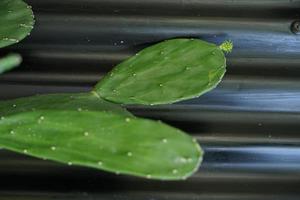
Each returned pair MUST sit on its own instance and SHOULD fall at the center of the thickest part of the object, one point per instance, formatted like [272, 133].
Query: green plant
[167, 72]
[84, 129]
[16, 22]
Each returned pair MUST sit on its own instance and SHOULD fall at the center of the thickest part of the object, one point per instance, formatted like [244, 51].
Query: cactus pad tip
[226, 46]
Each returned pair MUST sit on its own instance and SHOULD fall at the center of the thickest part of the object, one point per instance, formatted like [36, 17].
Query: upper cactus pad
[167, 72]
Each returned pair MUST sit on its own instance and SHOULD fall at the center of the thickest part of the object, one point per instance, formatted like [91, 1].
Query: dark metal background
[249, 126]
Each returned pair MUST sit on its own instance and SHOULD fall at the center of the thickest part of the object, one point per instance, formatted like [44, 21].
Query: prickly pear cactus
[84, 129]
[16, 21]
[167, 72]
[10, 61]
[103, 140]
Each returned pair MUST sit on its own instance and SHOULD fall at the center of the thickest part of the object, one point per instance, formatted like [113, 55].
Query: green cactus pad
[73, 102]
[16, 21]
[167, 72]
[104, 141]
[9, 62]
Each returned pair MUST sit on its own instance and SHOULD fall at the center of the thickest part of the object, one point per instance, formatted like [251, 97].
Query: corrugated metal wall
[249, 126]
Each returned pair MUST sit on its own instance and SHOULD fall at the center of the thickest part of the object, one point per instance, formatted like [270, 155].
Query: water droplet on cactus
[127, 119]
[41, 119]
[183, 160]
[129, 154]
[53, 148]
[26, 26]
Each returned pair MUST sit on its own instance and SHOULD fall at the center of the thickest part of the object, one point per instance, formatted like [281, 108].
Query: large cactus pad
[83, 129]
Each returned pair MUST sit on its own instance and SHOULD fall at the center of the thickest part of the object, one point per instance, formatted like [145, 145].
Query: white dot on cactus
[12, 132]
[100, 163]
[42, 117]
[79, 109]
[174, 171]
[134, 74]
[2, 118]
[161, 52]
[189, 159]
[187, 68]
[14, 105]
[183, 160]
[26, 26]
[148, 176]
[121, 41]
[164, 140]
[86, 133]
[129, 154]
[117, 172]
[53, 148]
[127, 119]
[70, 163]
[194, 140]
[25, 151]
[160, 85]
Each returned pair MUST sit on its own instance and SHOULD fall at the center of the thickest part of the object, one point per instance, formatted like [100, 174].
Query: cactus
[16, 20]
[167, 72]
[10, 61]
[84, 129]
[103, 140]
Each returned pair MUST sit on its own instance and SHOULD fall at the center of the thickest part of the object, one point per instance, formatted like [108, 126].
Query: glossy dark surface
[249, 126]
